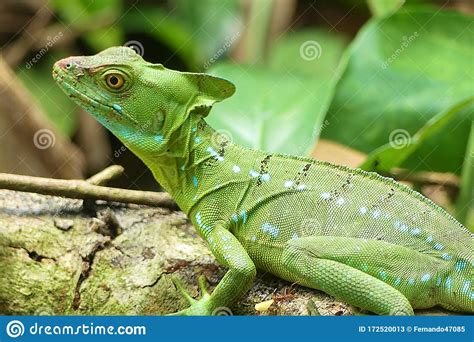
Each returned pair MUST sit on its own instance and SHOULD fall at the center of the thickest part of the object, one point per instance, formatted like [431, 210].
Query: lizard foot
[199, 307]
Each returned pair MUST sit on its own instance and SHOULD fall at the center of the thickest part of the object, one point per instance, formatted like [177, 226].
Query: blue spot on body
[446, 256]
[197, 140]
[365, 267]
[438, 246]
[213, 153]
[326, 195]
[198, 218]
[383, 275]
[466, 286]
[243, 216]
[472, 295]
[194, 129]
[270, 229]
[411, 281]
[416, 231]
[403, 227]
[235, 218]
[159, 138]
[397, 281]
[265, 177]
[438, 281]
[294, 236]
[236, 169]
[460, 265]
[253, 173]
[301, 187]
[195, 181]
[429, 239]
[376, 214]
[204, 228]
[449, 283]
[425, 277]
[117, 107]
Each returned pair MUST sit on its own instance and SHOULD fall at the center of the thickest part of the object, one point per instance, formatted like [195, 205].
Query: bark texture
[58, 259]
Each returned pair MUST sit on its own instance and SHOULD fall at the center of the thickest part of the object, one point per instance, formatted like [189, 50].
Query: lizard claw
[200, 307]
[182, 290]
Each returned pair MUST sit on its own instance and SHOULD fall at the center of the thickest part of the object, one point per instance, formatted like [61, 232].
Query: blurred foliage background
[386, 85]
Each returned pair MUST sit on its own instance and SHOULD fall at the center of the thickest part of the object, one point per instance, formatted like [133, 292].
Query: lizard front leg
[236, 282]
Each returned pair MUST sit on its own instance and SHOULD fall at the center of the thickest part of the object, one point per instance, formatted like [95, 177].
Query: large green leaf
[270, 110]
[402, 71]
[311, 52]
[465, 203]
[281, 107]
[402, 145]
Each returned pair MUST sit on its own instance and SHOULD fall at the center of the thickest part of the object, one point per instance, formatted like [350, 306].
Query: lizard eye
[115, 81]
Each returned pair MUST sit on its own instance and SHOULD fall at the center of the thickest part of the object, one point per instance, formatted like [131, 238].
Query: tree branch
[86, 189]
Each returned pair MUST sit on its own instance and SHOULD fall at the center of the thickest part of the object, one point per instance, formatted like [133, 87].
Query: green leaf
[381, 8]
[402, 71]
[315, 53]
[214, 23]
[281, 107]
[271, 110]
[402, 145]
[465, 202]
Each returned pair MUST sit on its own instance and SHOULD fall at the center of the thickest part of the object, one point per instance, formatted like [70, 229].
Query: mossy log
[58, 259]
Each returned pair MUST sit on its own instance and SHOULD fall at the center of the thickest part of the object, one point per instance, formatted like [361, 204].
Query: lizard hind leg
[342, 281]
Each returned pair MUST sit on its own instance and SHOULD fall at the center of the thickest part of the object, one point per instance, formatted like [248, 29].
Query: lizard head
[140, 102]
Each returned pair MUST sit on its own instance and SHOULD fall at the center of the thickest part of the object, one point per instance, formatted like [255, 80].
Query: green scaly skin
[355, 235]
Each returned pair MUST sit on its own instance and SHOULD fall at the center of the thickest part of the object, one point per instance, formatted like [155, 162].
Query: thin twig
[106, 175]
[81, 189]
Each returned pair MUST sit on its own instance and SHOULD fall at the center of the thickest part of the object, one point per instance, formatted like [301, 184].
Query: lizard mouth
[69, 84]
[66, 81]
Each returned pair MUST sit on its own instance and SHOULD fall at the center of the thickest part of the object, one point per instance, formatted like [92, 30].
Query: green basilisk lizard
[363, 238]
